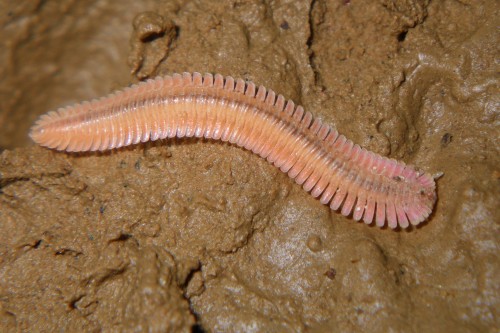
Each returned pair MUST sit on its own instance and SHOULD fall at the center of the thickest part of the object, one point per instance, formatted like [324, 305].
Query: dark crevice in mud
[310, 40]
[8, 181]
[402, 36]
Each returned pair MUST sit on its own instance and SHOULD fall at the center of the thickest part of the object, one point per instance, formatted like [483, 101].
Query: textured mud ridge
[177, 234]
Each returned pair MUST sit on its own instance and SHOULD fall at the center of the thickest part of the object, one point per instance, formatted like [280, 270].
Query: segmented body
[326, 164]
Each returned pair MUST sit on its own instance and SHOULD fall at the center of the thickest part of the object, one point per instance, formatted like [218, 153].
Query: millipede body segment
[329, 166]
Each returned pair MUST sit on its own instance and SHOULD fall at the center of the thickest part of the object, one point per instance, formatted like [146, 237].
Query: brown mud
[194, 234]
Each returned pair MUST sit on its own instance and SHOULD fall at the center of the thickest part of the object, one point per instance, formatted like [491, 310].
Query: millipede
[341, 174]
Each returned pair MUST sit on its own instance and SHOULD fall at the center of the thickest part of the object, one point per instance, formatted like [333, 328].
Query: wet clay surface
[177, 234]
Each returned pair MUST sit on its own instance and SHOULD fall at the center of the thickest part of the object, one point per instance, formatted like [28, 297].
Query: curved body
[326, 164]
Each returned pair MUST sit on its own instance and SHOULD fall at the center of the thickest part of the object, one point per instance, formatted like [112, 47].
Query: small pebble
[314, 243]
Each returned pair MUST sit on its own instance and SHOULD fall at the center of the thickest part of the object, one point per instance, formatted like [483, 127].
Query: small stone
[331, 273]
[314, 243]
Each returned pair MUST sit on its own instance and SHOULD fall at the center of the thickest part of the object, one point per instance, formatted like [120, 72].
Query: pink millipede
[329, 166]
